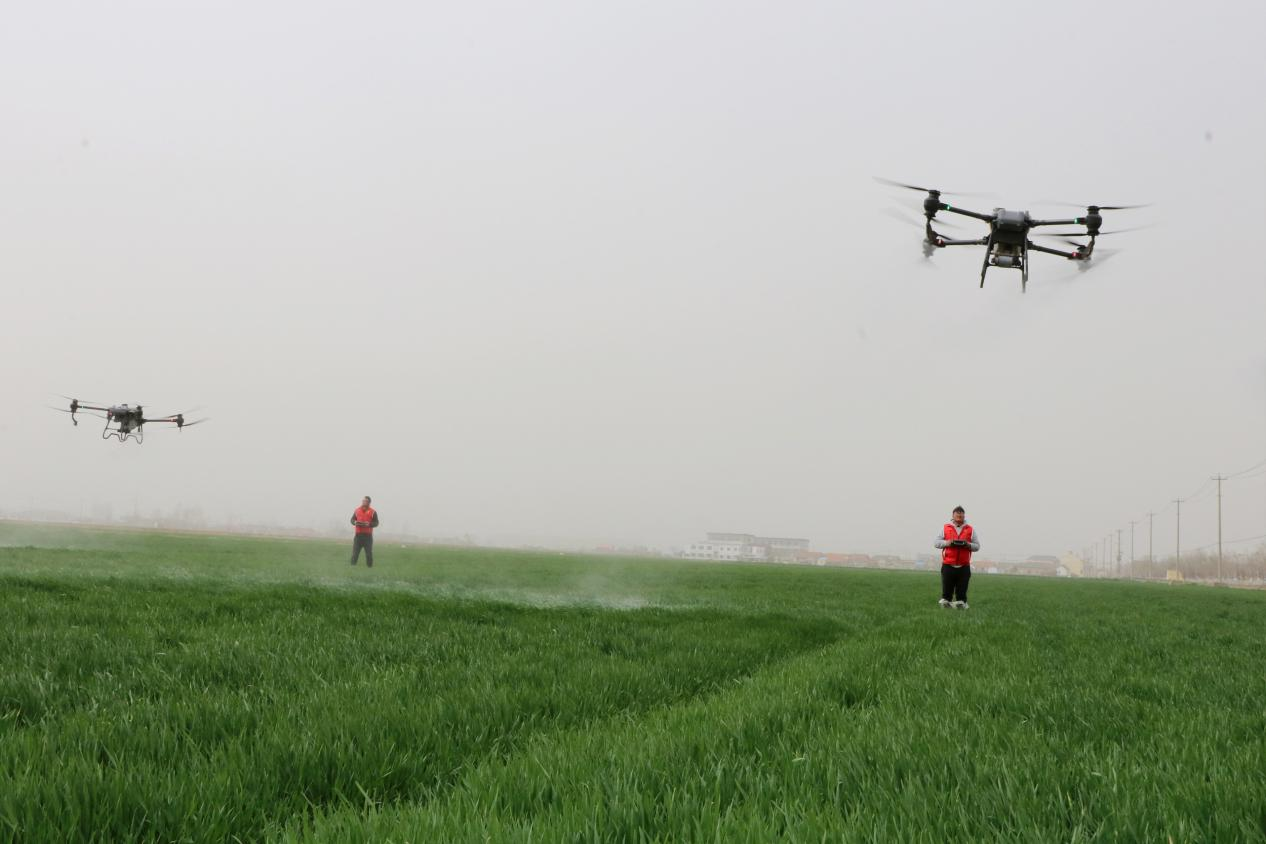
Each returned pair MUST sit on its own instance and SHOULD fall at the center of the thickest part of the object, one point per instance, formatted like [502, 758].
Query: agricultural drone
[1008, 245]
[123, 421]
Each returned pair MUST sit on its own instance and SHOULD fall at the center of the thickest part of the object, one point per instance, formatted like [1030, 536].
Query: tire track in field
[503, 797]
[592, 738]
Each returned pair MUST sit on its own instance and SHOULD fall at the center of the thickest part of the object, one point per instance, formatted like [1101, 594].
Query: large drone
[1007, 244]
[123, 421]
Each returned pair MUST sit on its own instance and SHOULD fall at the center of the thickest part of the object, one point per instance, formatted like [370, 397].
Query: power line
[1258, 465]
[1206, 489]
[1207, 495]
[1195, 495]
[1229, 542]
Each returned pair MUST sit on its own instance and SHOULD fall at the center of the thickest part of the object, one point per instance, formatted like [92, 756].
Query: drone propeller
[1086, 234]
[79, 402]
[78, 412]
[178, 423]
[1085, 265]
[884, 181]
[920, 223]
[1091, 208]
[929, 190]
[1096, 258]
[1066, 238]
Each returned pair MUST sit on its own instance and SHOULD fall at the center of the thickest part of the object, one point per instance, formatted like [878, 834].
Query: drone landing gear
[123, 436]
[1024, 267]
[1007, 256]
[984, 268]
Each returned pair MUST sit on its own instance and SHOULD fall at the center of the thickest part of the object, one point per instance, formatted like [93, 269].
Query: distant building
[1070, 565]
[746, 547]
[1038, 565]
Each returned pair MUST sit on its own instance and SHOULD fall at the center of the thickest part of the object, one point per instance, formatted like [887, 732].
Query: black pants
[954, 582]
[366, 541]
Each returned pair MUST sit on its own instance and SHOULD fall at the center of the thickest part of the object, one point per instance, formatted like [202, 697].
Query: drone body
[1008, 245]
[124, 421]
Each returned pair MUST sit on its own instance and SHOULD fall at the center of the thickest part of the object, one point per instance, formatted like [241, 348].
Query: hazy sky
[619, 272]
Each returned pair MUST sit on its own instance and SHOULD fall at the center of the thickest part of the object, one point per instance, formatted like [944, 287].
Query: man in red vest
[957, 542]
[365, 519]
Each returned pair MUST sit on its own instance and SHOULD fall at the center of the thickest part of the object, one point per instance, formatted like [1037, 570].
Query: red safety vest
[364, 514]
[957, 555]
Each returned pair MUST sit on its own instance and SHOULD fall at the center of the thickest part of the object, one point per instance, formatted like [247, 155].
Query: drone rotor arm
[180, 422]
[953, 209]
[944, 241]
[79, 411]
[1079, 255]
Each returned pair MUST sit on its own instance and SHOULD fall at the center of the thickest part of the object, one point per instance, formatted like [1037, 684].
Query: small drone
[123, 421]
[1007, 244]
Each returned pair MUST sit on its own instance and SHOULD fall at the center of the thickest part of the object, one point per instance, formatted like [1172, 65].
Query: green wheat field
[201, 688]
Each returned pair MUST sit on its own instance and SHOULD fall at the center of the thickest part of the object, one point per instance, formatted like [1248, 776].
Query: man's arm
[354, 519]
[374, 523]
[975, 540]
[941, 542]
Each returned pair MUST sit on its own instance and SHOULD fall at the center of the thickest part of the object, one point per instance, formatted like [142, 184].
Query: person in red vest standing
[365, 519]
[957, 542]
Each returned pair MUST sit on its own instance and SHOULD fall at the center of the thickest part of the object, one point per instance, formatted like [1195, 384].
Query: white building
[745, 547]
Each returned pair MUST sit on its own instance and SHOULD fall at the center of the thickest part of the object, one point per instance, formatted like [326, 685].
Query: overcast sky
[619, 272]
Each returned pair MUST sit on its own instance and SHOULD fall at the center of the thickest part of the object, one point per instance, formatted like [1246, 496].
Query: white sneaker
[960, 605]
[943, 602]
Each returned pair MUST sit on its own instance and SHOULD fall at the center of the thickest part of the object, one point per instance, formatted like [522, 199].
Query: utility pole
[1178, 537]
[1132, 524]
[1118, 552]
[1219, 479]
[1150, 572]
